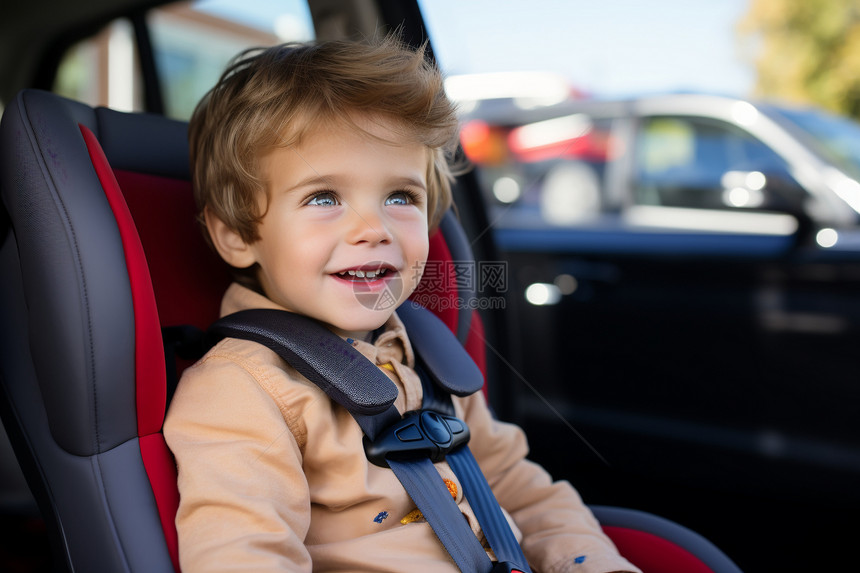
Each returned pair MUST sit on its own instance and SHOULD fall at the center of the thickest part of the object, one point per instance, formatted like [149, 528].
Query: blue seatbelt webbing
[492, 520]
[430, 494]
[422, 482]
[495, 526]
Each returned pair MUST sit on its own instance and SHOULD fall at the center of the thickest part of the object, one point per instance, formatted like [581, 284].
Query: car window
[836, 137]
[192, 43]
[537, 70]
[547, 171]
[93, 69]
[709, 164]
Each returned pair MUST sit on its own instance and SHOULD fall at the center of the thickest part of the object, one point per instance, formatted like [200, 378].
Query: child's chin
[370, 321]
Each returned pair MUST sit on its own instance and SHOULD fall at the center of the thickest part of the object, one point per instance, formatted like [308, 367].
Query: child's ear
[229, 244]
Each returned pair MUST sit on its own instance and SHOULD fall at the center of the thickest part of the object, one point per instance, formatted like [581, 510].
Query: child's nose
[368, 226]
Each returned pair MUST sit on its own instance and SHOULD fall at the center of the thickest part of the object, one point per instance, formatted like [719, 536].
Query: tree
[806, 51]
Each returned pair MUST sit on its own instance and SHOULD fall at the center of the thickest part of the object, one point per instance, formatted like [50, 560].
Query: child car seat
[99, 252]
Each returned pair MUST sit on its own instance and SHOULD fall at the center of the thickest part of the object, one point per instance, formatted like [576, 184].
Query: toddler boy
[320, 171]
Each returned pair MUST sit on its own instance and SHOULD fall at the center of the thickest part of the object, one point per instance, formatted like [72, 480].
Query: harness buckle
[419, 434]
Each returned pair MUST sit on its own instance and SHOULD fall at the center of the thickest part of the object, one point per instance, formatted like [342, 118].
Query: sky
[611, 48]
[603, 47]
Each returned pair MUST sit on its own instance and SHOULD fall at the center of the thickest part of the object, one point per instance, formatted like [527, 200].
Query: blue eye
[400, 198]
[324, 199]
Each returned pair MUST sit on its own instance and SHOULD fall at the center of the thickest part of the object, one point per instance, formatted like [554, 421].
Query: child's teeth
[364, 274]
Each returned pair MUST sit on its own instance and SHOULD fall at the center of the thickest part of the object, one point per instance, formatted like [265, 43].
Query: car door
[694, 329]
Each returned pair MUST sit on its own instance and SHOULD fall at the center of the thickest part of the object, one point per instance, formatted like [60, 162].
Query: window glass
[708, 164]
[837, 138]
[535, 81]
[192, 41]
[103, 69]
[542, 171]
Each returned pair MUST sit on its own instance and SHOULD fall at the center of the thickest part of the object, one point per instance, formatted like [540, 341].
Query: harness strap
[430, 494]
[451, 367]
[358, 385]
[324, 358]
[424, 485]
[475, 487]
[487, 509]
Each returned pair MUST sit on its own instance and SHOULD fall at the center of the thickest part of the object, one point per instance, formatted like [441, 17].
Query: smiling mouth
[357, 274]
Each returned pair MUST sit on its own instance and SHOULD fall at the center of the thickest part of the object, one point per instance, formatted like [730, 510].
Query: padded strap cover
[340, 370]
[324, 358]
[450, 366]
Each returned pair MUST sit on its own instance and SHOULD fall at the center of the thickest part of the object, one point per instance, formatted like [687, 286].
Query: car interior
[106, 280]
[93, 276]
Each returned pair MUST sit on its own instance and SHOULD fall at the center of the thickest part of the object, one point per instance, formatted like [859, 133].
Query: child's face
[340, 205]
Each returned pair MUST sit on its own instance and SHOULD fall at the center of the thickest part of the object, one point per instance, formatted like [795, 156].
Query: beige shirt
[273, 475]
